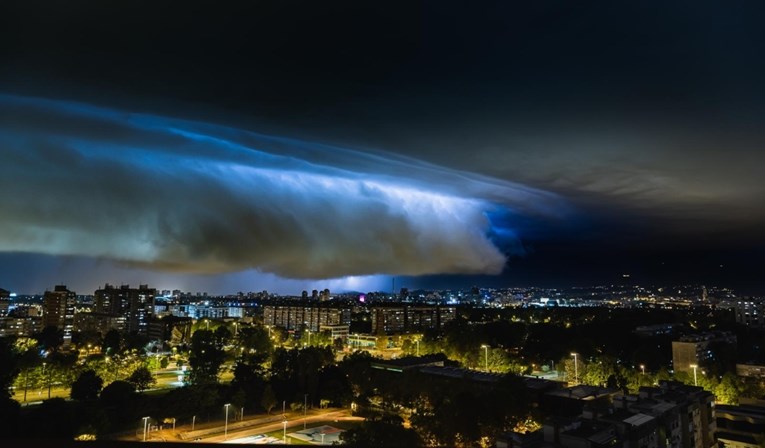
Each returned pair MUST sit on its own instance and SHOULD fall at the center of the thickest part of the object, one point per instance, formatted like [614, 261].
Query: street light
[576, 367]
[284, 423]
[145, 426]
[695, 379]
[48, 382]
[225, 427]
[418, 352]
[486, 353]
[305, 409]
[43, 374]
[642, 368]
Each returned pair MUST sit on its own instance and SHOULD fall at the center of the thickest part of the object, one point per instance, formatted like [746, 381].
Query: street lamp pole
[43, 374]
[284, 423]
[576, 367]
[225, 427]
[49, 383]
[193, 421]
[145, 426]
[642, 368]
[695, 378]
[486, 353]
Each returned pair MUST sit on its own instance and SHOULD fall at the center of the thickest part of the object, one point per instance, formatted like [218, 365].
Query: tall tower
[58, 310]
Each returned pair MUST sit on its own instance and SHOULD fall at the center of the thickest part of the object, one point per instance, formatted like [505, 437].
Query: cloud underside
[192, 197]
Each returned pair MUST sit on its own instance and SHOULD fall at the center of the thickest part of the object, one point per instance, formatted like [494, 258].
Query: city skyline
[301, 148]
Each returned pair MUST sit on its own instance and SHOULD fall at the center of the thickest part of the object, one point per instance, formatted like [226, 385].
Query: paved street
[216, 431]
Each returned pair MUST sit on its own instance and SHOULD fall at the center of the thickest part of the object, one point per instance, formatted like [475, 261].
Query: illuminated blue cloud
[193, 197]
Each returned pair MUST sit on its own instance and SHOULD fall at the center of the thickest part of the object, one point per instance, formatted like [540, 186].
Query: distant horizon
[298, 293]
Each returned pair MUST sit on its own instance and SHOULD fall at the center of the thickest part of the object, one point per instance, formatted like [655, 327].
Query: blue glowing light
[185, 196]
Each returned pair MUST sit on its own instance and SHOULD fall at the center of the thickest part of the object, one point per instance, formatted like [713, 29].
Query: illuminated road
[294, 423]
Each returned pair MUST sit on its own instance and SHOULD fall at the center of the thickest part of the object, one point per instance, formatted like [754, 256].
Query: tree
[381, 433]
[87, 386]
[250, 378]
[268, 400]
[28, 360]
[51, 338]
[381, 343]
[112, 343]
[142, 379]
[8, 366]
[255, 340]
[117, 393]
[729, 389]
[206, 357]
[222, 335]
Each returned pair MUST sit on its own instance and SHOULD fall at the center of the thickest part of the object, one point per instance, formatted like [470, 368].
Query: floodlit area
[260, 439]
[320, 435]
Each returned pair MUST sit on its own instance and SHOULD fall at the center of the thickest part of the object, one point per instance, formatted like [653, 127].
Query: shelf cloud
[194, 197]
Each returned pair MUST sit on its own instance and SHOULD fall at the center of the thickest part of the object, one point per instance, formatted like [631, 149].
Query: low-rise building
[672, 415]
[740, 426]
[20, 326]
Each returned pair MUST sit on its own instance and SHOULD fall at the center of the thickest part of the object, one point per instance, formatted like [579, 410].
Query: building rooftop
[409, 362]
[584, 392]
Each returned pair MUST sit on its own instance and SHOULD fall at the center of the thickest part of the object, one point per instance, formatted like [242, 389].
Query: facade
[292, 317]
[407, 319]
[672, 415]
[20, 326]
[750, 312]
[336, 331]
[203, 311]
[135, 304]
[171, 329]
[5, 302]
[740, 426]
[750, 371]
[695, 407]
[99, 322]
[702, 350]
[654, 330]
[59, 309]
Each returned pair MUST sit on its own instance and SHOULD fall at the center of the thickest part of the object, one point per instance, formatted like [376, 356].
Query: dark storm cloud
[191, 197]
[645, 116]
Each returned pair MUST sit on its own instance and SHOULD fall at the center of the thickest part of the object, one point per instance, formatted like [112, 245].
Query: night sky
[276, 145]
